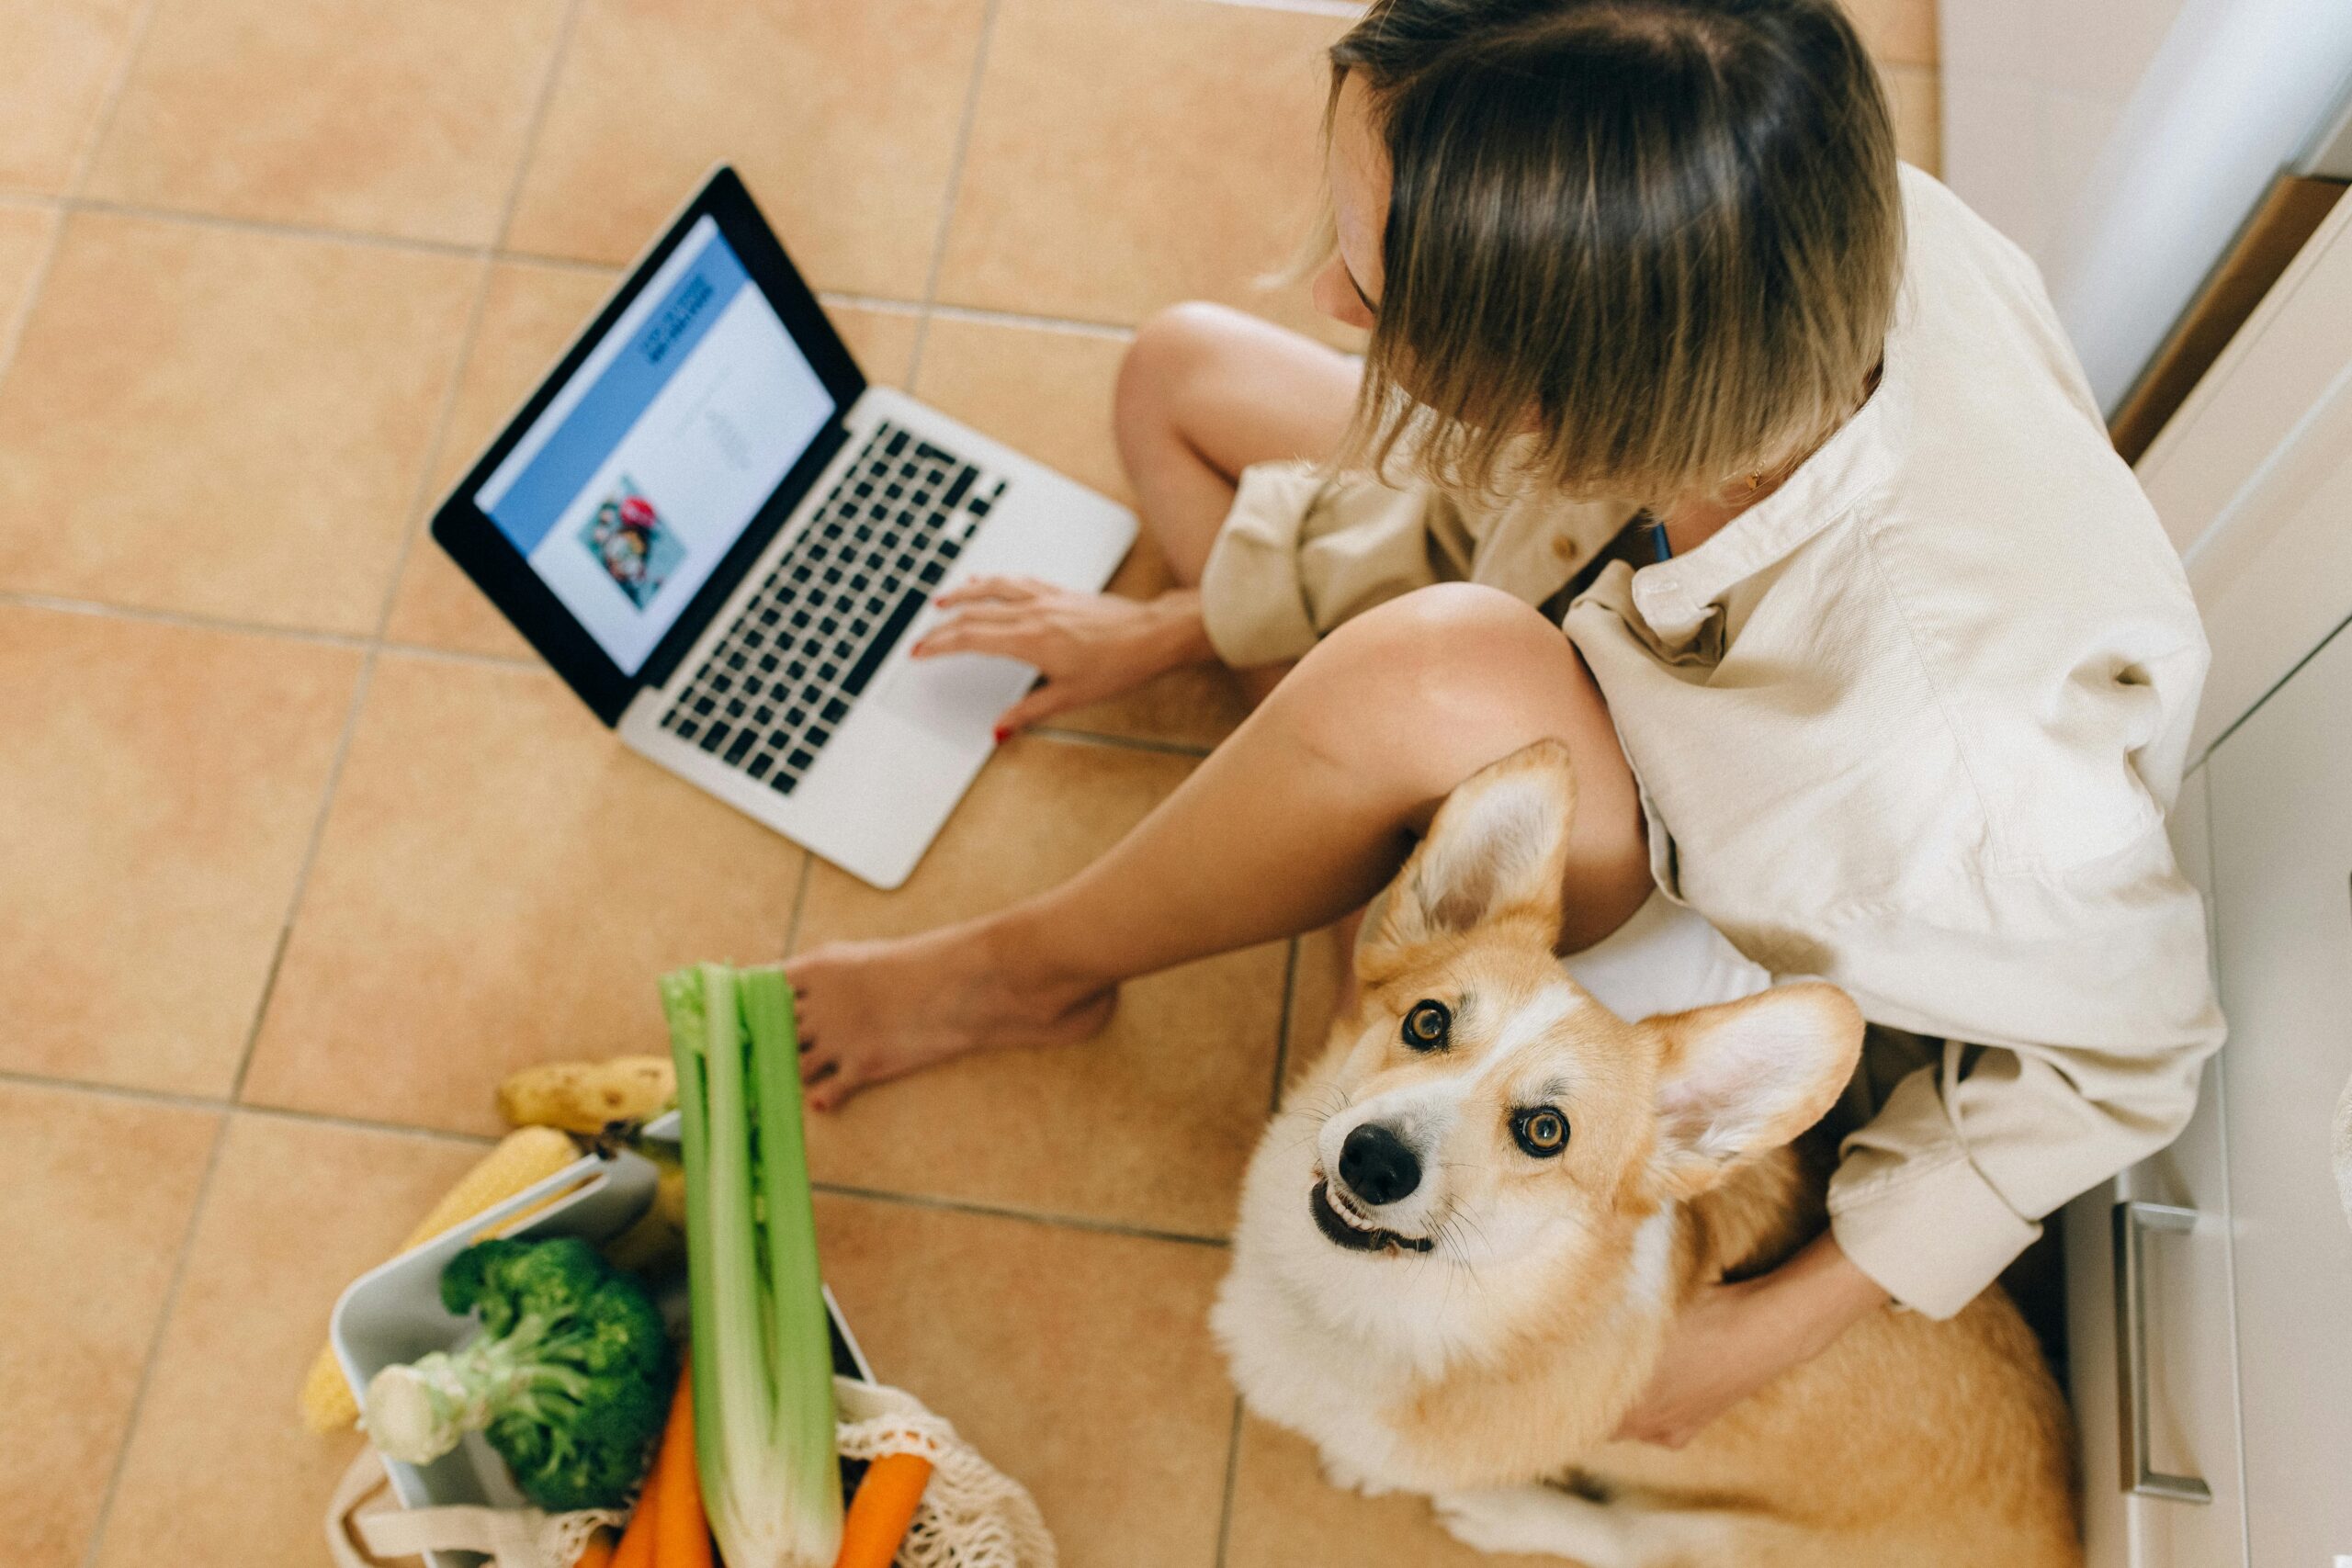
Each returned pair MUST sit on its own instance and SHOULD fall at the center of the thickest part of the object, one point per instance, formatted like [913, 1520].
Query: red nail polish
[1002, 734]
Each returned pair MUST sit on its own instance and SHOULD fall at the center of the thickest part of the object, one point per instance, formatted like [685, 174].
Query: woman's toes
[816, 1063]
[829, 1092]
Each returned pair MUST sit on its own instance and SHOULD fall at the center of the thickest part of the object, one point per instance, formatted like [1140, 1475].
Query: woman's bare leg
[1206, 392]
[1299, 818]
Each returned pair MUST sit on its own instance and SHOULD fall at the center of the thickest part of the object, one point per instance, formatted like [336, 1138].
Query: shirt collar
[1676, 596]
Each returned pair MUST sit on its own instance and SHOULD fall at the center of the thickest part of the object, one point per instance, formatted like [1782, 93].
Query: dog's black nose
[1377, 1164]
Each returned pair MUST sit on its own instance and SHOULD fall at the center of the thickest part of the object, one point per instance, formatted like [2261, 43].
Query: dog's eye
[1428, 1025]
[1541, 1132]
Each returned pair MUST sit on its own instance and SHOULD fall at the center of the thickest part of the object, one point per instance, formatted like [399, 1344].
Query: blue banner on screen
[653, 458]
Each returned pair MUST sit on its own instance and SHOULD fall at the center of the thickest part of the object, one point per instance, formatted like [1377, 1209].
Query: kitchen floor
[300, 850]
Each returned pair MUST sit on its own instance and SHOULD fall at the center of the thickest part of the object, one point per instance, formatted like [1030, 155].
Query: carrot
[882, 1509]
[635, 1550]
[597, 1553]
[680, 1534]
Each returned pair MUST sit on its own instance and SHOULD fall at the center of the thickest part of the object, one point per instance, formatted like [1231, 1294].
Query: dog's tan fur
[1491, 1372]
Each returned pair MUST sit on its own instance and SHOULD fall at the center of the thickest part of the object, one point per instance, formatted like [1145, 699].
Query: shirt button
[1564, 548]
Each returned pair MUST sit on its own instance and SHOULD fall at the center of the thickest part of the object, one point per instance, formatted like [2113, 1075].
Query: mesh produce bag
[972, 1515]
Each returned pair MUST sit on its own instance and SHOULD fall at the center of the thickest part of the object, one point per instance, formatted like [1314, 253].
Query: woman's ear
[1499, 848]
[1741, 1077]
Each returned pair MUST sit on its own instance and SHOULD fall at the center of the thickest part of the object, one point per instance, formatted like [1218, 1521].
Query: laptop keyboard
[779, 682]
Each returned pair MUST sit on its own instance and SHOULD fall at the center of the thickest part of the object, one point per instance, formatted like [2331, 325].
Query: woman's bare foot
[872, 1010]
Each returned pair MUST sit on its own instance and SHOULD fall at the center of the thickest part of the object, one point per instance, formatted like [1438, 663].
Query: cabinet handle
[2132, 1349]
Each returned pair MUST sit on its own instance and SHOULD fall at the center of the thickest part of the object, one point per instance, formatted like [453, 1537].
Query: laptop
[726, 541]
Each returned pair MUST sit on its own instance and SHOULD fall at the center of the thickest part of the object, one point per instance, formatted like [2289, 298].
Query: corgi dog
[1466, 1236]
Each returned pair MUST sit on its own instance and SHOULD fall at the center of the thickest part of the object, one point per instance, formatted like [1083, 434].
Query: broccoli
[570, 1378]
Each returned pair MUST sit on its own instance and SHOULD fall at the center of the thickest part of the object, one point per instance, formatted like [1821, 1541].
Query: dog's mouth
[1342, 1226]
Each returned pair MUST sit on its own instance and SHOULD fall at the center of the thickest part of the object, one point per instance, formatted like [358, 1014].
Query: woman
[1890, 680]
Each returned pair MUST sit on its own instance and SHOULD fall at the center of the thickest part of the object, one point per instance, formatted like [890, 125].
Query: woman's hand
[1087, 646]
[1735, 1338]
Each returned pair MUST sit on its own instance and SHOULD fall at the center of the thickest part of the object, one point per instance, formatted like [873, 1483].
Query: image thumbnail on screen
[627, 537]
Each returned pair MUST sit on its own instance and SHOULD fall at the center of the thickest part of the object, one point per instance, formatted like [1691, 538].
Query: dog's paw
[1525, 1519]
[1348, 1478]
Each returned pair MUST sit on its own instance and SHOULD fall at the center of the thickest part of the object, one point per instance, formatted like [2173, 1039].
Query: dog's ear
[1499, 846]
[1746, 1077]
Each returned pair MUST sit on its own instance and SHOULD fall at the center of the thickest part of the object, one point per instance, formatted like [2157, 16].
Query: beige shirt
[1911, 724]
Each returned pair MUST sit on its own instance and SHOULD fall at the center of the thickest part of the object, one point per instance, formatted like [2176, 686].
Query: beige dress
[1911, 724]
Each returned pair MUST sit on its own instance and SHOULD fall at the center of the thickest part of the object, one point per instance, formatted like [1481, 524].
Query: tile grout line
[1281, 1031]
[1027, 1216]
[188, 620]
[1119, 742]
[277, 228]
[799, 901]
[164, 1311]
[1232, 1475]
[175, 1100]
[100, 125]
[954, 189]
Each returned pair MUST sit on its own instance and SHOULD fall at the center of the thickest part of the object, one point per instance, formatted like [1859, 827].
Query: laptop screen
[657, 454]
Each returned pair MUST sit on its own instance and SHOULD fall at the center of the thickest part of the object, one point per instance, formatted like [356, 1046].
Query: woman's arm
[1735, 1338]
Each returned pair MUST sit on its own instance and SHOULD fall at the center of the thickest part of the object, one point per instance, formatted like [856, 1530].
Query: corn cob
[526, 1155]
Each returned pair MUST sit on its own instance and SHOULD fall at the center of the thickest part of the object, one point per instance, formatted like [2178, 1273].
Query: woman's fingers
[971, 634]
[991, 590]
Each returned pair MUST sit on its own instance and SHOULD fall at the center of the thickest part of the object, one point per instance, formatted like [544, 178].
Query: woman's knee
[1449, 636]
[1173, 350]
[1473, 669]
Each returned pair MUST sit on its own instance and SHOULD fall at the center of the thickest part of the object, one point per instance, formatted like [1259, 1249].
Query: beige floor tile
[95, 1199]
[1048, 393]
[25, 234]
[405, 119]
[1286, 1515]
[532, 314]
[842, 118]
[161, 783]
[1916, 100]
[1043, 390]
[499, 883]
[57, 60]
[1151, 1123]
[220, 1473]
[1078, 1363]
[1898, 32]
[222, 422]
[1128, 153]
[882, 340]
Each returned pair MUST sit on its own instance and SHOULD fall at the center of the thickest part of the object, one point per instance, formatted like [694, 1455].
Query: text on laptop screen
[655, 457]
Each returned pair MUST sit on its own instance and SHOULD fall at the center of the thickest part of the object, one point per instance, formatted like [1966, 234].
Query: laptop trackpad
[956, 696]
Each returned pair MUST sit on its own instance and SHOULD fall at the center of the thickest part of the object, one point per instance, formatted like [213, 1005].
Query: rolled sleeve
[1912, 1210]
[1252, 597]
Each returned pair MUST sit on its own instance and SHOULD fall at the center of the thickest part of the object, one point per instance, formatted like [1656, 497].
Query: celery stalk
[763, 1356]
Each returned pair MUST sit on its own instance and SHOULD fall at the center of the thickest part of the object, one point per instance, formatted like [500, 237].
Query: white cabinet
[2282, 801]
[2246, 1345]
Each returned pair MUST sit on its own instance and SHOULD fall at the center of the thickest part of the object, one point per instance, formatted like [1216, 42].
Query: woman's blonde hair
[1638, 249]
